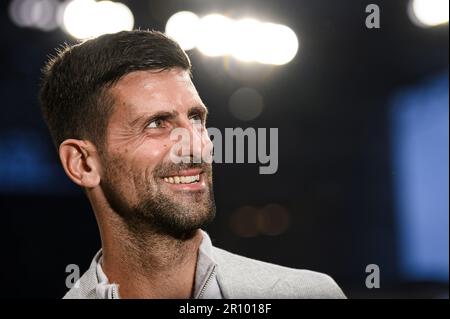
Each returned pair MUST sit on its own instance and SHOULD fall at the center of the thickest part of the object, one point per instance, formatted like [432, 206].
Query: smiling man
[111, 104]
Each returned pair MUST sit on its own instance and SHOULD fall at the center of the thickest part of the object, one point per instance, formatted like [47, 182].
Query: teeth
[182, 179]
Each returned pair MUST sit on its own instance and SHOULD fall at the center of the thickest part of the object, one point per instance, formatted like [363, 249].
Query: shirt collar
[205, 287]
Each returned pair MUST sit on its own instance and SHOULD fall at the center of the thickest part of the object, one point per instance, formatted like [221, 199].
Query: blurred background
[362, 115]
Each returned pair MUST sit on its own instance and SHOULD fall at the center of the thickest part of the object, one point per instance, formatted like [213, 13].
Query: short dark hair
[74, 90]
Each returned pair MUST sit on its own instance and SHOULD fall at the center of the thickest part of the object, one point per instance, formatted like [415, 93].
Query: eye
[196, 119]
[157, 123]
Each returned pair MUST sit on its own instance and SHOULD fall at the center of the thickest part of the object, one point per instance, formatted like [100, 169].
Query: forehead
[147, 91]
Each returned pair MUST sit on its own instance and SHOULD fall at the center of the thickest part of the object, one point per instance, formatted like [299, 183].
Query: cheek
[152, 155]
[206, 139]
[154, 152]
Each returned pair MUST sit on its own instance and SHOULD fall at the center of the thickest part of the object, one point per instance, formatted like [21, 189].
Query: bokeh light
[274, 220]
[183, 28]
[246, 104]
[270, 220]
[39, 14]
[429, 13]
[247, 40]
[214, 35]
[244, 222]
[86, 18]
[279, 44]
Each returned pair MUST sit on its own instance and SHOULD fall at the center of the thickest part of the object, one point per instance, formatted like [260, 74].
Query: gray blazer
[244, 278]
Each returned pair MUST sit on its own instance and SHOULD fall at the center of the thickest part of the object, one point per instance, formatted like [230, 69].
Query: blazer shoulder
[242, 277]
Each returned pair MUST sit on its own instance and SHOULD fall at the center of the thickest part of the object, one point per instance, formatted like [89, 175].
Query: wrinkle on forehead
[178, 74]
[172, 87]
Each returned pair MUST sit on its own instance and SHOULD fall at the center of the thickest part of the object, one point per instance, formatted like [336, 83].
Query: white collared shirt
[206, 285]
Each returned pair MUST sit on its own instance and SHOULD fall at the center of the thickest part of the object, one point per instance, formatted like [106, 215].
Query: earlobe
[80, 163]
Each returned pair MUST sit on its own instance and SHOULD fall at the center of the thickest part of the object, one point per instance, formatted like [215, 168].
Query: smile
[182, 179]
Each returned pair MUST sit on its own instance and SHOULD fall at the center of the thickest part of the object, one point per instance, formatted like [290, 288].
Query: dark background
[335, 177]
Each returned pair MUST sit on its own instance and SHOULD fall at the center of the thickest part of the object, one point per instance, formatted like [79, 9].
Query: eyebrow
[199, 109]
[169, 115]
[150, 116]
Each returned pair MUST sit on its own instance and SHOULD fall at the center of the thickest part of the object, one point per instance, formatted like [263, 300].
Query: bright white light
[266, 43]
[428, 13]
[183, 28]
[115, 17]
[78, 18]
[278, 45]
[86, 18]
[247, 39]
[214, 35]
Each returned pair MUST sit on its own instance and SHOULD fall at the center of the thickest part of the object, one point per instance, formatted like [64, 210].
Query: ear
[80, 162]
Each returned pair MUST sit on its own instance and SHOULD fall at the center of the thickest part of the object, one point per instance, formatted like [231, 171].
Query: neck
[146, 264]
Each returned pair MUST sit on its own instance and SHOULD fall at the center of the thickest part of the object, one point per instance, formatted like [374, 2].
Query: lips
[191, 179]
[179, 179]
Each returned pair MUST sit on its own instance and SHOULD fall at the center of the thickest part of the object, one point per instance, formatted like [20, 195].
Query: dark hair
[74, 92]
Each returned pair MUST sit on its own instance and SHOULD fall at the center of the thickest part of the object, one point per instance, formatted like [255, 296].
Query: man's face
[140, 181]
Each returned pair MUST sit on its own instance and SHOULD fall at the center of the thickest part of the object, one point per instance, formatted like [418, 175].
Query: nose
[196, 143]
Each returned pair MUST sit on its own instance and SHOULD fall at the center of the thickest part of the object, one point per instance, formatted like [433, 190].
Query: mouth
[178, 179]
[190, 180]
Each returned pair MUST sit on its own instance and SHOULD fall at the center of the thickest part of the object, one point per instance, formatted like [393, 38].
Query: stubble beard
[156, 209]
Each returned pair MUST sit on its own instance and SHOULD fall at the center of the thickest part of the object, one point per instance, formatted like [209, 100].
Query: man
[111, 104]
